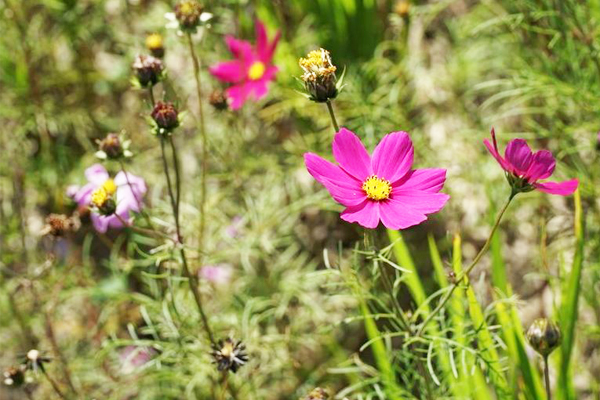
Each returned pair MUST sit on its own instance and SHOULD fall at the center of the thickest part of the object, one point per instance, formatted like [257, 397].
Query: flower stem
[151, 94]
[204, 137]
[468, 270]
[547, 378]
[175, 206]
[53, 384]
[332, 115]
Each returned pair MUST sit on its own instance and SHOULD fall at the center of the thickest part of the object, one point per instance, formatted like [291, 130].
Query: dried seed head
[188, 14]
[148, 70]
[317, 394]
[166, 117]
[319, 77]
[229, 355]
[544, 336]
[58, 225]
[154, 43]
[218, 99]
[13, 377]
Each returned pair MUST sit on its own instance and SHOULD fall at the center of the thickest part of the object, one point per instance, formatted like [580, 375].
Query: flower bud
[154, 43]
[13, 377]
[218, 99]
[319, 77]
[111, 146]
[148, 70]
[188, 14]
[317, 394]
[544, 336]
[166, 117]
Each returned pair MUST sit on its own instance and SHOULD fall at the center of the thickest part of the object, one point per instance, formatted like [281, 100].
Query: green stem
[547, 378]
[151, 93]
[204, 137]
[467, 271]
[53, 384]
[332, 115]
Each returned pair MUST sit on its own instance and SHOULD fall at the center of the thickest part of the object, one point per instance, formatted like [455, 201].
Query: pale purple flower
[128, 198]
[134, 357]
[219, 274]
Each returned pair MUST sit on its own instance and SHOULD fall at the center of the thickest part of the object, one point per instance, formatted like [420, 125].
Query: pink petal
[237, 95]
[100, 222]
[352, 156]
[116, 223]
[494, 152]
[265, 49]
[258, 89]
[395, 216]
[96, 174]
[241, 49]
[393, 156]
[84, 195]
[229, 71]
[542, 166]
[427, 179]
[366, 214]
[560, 188]
[518, 155]
[343, 188]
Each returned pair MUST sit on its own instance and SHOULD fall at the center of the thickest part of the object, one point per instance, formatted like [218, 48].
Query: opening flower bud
[188, 14]
[154, 43]
[166, 117]
[148, 70]
[229, 355]
[319, 77]
[218, 99]
[111, 146]
[544, 336]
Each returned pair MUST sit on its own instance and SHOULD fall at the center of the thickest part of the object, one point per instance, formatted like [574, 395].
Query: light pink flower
[218, 274]
[252, 69]
[382, 187]
[134, 357]
[525, 168]
[127, 198]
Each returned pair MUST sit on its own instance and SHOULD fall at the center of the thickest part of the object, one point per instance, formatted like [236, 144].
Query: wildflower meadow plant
[250, 73]
[381, 187]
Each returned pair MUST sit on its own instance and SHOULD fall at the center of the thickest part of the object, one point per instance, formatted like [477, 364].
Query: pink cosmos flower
[252, 69]
[382, 187]
[219, 274]
[127, 198]
[524, 169]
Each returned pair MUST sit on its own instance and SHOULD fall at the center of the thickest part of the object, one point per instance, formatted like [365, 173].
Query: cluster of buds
[103, 201]
[154, 44]
[165, 117]
[58, 225]
[317, 394]
[218, 99]
[229, 355]
[320, 81]
[113, 147]
[188, 14]
[148, 70]
[544, 336]
[14, 376]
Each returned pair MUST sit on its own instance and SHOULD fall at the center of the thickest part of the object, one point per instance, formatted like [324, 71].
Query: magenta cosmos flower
[100, 186]
[524, 168]
[252, 69]
[382, 187]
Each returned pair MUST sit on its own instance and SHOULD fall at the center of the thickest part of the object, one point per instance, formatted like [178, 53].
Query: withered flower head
[59, 225]
[188, 14]
[229, 355]
[319, 77]
[218, 99]
[317, 394]
[103, 200]
[13, 377]
[544, 336]
[166, 117]
[154, 43]
[148, 70]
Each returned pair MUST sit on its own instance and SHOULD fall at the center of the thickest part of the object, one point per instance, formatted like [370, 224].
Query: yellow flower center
[101, 195]
[187, 7]
[317, 64]
[227, 349]
[154, 41]
[377, 188]
[256, 71]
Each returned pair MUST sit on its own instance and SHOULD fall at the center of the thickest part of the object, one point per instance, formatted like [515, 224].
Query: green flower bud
[544, 336]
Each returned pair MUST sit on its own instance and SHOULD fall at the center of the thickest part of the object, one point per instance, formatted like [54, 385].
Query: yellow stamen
[110, 187]
[100, 197]
[154, 41]
[317, 64]
[187, 7]
[227, 349]
[376, 188]
[256, 71]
